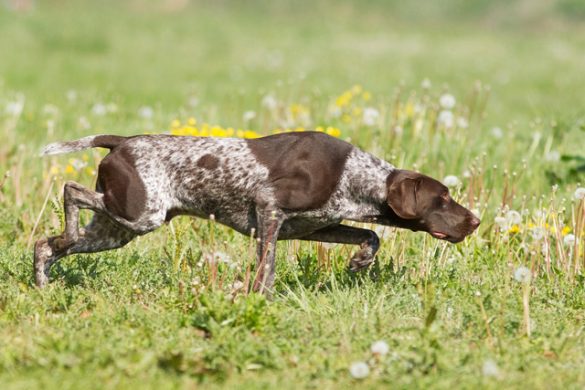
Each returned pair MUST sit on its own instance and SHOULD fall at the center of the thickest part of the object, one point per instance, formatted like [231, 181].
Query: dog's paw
[361, 259]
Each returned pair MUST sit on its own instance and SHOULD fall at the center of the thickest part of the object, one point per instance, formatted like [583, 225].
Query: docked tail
[93, 141]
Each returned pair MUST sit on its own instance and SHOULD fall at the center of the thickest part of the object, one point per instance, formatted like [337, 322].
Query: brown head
[421, 203]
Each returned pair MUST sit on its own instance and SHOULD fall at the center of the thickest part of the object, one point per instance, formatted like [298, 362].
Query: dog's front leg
[270, 220]
[342, 234]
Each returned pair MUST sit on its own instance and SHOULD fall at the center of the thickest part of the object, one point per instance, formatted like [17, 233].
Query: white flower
[446, 119]
[522, 274]
[490, 368]
[426, 84]
[14, 108]
[579, 193]
[552, 156]
[237, 285]
[497, 132]
[71, 95]
[380, 348]
[371, 116]
[269, 102]
[248, 116]
[99, 109]
[359, 370]
[447, 101]
[513, 217]
[145, 112]
[538, 233]
[569, 240]
[451, 181]
[502, 223]
[462, 123]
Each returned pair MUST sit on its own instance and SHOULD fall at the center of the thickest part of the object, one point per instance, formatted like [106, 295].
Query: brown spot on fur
[124, 191]
[208, 162]
[304, 168]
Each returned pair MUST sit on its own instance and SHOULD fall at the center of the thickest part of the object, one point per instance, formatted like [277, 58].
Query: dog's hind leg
[342, 234]
[101, 234]
[76, 197]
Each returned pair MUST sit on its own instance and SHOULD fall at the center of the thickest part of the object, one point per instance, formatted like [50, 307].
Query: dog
[286, 186]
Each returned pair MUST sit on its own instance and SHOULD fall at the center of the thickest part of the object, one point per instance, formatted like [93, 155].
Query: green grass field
[490, 92]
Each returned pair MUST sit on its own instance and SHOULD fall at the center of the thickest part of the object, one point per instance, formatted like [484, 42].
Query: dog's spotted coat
[288, 186]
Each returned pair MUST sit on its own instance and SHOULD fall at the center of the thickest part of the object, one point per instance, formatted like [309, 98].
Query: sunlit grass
[173, 308]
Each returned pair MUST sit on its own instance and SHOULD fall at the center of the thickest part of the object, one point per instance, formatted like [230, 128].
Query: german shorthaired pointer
[280, 187]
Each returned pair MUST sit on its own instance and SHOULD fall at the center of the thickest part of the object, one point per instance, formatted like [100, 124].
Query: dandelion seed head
[579, 193]
[380, 348]
[462, 123]
[145, 112]
[446, 119]
[523, 275]
[490, 368]
[269, 102]
[497, 132]
[447, 101]
[552, 156]
[370, 116]
[569, 240]
[451, 181]
[359, 370]
[248, 116]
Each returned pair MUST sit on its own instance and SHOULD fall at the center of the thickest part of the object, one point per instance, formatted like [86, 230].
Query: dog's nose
[475, 222]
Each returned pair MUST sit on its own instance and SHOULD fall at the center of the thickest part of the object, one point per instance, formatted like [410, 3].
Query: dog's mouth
[446, 237]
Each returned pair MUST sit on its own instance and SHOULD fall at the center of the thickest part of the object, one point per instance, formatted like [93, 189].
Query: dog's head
[423, 203]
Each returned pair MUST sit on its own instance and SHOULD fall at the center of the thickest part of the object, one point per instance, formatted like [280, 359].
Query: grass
[162, 313]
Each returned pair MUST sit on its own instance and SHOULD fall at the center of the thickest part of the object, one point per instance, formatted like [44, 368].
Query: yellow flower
[54, 170]
[566, 230]
[251, 134]
[69, 169]
[344, 99]
[333, 131]
[320, 129]
[90, 171]
[357, 111]
[409, 110]
[85, 157]
[514, 229]
[357, 89]
[176, 123]
[192, 121]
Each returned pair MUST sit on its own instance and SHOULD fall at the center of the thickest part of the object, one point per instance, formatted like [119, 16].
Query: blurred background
[170, 52]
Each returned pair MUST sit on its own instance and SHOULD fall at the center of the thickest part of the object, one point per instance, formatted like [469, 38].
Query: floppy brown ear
[402, 197]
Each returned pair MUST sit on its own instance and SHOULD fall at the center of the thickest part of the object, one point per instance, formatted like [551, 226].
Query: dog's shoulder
[304, 167]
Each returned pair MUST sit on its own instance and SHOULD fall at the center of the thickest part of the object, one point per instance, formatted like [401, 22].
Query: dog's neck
[363, 186]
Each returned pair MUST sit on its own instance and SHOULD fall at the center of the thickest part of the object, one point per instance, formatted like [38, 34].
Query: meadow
[487, 97]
